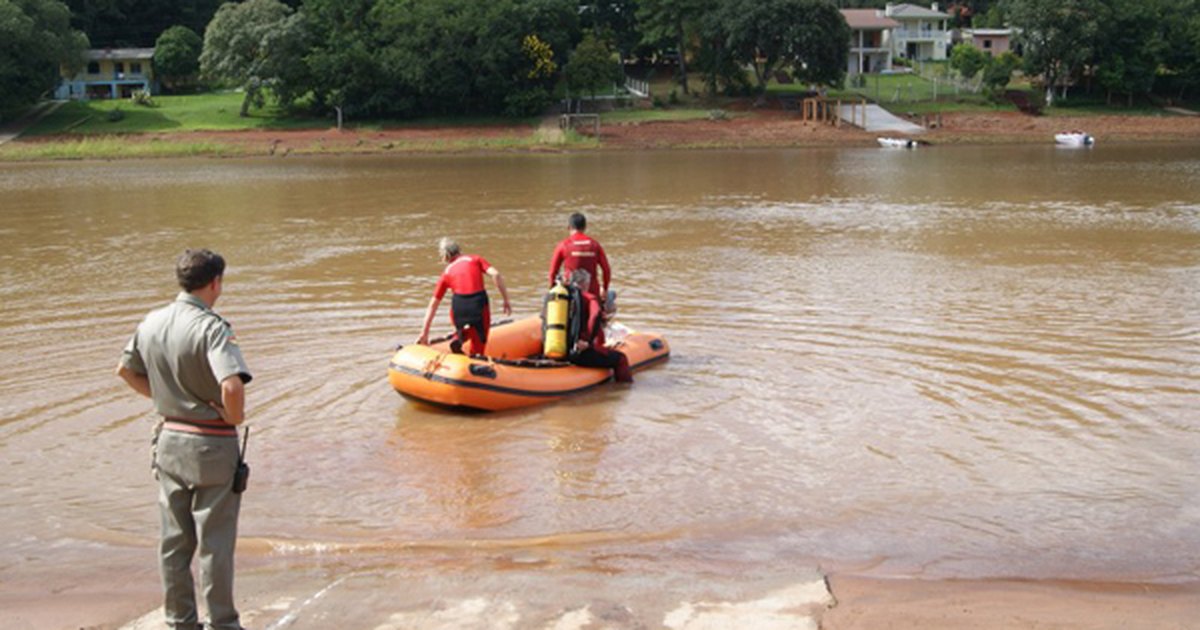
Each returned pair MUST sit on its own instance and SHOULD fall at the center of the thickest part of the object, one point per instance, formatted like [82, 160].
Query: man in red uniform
[580, 251]
[469, 309]
[590, 350]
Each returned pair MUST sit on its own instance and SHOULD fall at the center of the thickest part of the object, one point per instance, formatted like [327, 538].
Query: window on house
[987, 43]
[135, 68]
[94, 67]
[118, 67]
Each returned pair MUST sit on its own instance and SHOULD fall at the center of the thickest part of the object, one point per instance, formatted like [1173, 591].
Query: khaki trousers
[199, 513]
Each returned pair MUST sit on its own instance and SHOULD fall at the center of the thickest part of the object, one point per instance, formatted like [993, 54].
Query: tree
[345, 70]
[1130, 47]
[998, 72]
[35, 39]
[177, 56]
[809, 36]
[994, 18]
[614, 21]
[532, 94]
[416, 57]
[137, 23]
[666, 23]
[822, 45]
[968, 60]
[1181, 58]
[1059, 38]
[466, 56]
[592, 66]
[256, 44]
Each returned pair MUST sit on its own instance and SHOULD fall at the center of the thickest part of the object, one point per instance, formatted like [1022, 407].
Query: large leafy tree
[592, 66]
[1130, 47]
[255, 45]
[413, 57]
[1181, 56]
[809, 37]
[177, 56]
[673, 23]
[36, 38]
[613, 21]
[466, 56]
[346, 70]
[137, 23]
[1059, 37]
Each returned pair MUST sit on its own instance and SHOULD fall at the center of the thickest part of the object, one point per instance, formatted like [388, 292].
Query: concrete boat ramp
[520, 597]
[878, 119]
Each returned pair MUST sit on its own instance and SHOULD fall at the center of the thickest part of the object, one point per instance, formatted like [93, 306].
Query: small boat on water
[1074, 139]
[513, 374]
[897, 143]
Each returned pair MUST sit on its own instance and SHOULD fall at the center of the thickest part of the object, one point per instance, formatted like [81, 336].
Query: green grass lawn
[1088, 105]
[649, 115]
[217, 111]
[888, 89]
[213, 111]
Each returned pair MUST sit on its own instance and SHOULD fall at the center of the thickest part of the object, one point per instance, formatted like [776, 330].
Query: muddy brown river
[950, 362]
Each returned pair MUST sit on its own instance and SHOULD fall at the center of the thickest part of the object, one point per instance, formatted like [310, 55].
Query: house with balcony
[111, 73]
[923, 34]
[870, 41]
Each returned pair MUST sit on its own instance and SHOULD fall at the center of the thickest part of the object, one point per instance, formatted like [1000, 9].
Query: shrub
[142, 97]
[115, 115]
[528, 102]
[998, 72]
[968, 60]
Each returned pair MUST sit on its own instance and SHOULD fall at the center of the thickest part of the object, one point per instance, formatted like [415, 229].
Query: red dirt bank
[755, 129]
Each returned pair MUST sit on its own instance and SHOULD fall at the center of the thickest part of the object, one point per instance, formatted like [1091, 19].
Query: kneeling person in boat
[470, 311]
[590, 350]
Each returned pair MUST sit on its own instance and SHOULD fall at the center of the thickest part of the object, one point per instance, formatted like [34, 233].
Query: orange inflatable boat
[512, 375]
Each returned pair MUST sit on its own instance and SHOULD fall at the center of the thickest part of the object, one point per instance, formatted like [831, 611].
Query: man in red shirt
[469, 309]
[580, 251]
[590, 350]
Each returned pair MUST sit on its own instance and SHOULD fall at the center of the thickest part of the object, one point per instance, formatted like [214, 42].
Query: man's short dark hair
[195, 268]
[578, 221]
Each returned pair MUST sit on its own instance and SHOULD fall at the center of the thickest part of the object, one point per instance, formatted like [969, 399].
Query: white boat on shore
[1074, 139]
[897, 143]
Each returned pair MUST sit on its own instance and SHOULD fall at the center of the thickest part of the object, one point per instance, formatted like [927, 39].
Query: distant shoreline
[764, 129]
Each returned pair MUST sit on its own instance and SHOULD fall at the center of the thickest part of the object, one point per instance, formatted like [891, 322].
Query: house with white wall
[870, 41]
[923, 34]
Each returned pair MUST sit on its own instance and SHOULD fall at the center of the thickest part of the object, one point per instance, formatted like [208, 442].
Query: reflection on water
[948, 362]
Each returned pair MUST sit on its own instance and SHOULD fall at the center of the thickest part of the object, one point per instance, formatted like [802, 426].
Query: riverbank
[738, 130]
[529, 592]
[865, 603]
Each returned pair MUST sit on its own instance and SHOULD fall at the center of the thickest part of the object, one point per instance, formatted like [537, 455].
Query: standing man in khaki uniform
[186, 359]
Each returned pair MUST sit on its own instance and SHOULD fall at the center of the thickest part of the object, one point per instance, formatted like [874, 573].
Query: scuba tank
[554, 326]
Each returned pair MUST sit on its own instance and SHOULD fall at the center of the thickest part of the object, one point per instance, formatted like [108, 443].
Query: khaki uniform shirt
[186, 350]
